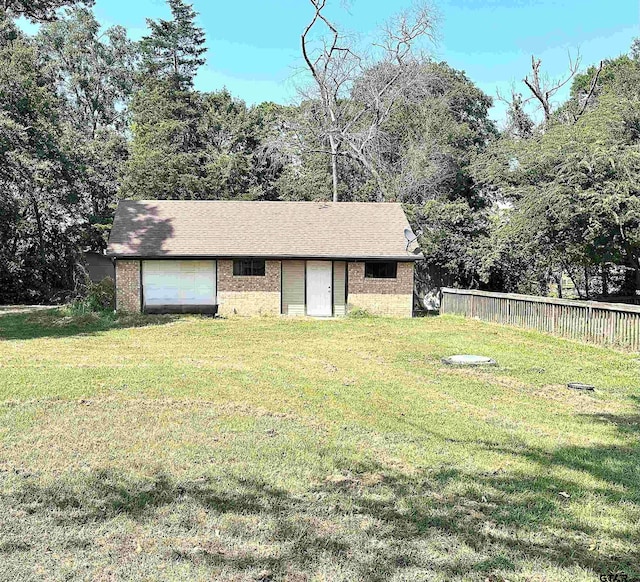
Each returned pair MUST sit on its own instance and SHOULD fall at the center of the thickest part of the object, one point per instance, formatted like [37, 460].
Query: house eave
[140, 257]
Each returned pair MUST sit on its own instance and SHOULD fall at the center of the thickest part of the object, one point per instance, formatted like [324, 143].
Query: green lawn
[272, 449]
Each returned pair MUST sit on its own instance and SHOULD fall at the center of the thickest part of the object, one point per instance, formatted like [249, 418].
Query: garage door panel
[171, 282]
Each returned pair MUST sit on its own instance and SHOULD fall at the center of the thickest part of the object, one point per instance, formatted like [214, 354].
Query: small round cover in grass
[468, 360]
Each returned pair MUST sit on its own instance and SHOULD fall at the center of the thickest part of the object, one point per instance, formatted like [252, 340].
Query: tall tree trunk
[334, 165]
[43, 258]
[586, 282]
[605, 280]
[576, 286]
[558, 279]
[16, 235]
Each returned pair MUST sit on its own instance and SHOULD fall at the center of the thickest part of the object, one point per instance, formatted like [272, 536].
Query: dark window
[248, 267]
[380, 270]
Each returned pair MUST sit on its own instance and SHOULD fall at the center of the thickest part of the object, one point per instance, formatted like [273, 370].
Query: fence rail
[591, 321]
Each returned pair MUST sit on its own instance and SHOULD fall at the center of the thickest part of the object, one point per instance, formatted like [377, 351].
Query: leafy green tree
[189, 145]
[62, 147]
[37, 10]
[573, 189]
[305, 172]
[97, 81]
[240, 159]
[519, 123]
[453, 240]
[37, 189]
[434, 135]
[95, 84]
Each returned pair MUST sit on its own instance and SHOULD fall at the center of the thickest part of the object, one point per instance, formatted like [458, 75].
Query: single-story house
[247, 258]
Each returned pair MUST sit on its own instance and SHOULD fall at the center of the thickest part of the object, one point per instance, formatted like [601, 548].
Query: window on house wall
[248, 268]
[386, 270]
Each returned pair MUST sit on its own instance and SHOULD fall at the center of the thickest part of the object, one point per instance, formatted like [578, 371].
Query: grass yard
[272, 449]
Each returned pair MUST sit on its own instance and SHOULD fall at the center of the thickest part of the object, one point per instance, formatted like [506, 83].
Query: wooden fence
[602, 323]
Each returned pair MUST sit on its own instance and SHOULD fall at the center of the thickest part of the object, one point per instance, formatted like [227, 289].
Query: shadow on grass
[61, 323]
[374, 522]
[626, 424]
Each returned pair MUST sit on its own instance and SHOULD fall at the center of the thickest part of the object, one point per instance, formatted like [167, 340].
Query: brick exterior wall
[392, 297]
[261, 295]
[239, 295]
[128, 286]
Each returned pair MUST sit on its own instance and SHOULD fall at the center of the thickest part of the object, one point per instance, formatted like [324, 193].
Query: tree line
[87, 117]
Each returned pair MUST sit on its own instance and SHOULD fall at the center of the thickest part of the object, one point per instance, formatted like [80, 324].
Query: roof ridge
[318, 202]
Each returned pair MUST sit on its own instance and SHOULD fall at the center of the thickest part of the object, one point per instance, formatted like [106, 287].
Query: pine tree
[166, 160]
[175, 48]
[166, 152]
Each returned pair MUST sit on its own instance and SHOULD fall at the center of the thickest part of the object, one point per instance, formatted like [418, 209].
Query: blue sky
[254, 44]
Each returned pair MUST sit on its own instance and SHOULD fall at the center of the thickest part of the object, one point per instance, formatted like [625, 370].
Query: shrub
[98, 297]
[358, 313]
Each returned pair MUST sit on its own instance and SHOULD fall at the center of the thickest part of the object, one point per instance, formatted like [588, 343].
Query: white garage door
[179, 282]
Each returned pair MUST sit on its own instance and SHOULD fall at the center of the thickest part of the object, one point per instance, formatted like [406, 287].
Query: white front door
[169, 282]
[319, 280]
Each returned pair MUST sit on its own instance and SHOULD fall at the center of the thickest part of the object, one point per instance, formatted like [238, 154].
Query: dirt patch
[14, 309]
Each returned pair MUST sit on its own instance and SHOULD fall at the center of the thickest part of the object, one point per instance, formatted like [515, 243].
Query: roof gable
[185, 228]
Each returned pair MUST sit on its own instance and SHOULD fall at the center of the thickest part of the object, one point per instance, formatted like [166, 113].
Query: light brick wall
[128, 285]
[393, 297]
[248, 303]
[383, 303]
[239, 295]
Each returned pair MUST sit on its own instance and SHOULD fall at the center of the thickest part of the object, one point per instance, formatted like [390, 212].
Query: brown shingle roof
[182, 228]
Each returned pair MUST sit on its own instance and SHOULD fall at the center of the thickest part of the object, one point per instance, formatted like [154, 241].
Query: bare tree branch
[592, 88]
[542, 89]
[357, 95]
